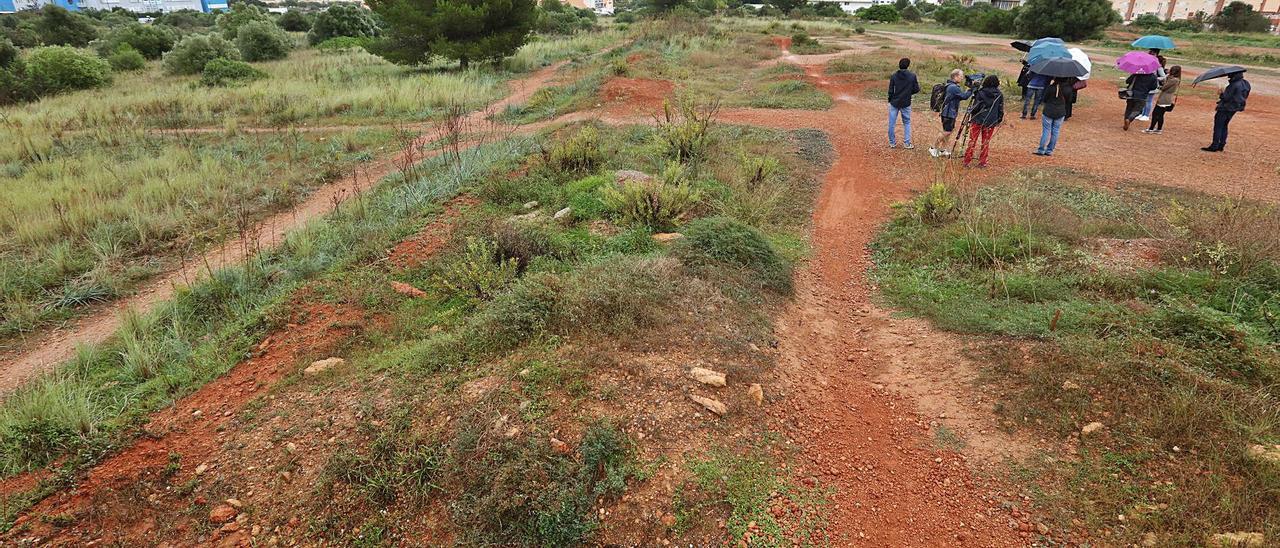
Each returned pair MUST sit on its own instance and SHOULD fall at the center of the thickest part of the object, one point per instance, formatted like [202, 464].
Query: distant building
[1173, 10]
[1001, 4]
[138, 6]
[851, 6]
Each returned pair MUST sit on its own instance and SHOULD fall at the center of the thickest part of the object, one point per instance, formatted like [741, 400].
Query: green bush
[226, 72]
[15, 83]
[57, 69]
[578, 154]
[936, 205]
[59, 27]
[478, 273]
[658, 205]
[8, 53]
[125, 58]
[344, 43]
[617, 295]
[241, 14]
[152, 41]
[340, 20]
[885, 13]
[294, 21]
[684, 131]
[194, 52]
[262, 41]
[721, 240]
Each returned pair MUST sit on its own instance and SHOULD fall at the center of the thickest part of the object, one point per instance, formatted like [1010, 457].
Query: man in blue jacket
[902, 85]
[1230, 102]
[950, 108]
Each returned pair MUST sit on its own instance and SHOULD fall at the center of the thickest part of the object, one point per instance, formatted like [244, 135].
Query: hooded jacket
[988, 107]
[902, 85]
[1233, 98]
[951, 103]
[1142, 85]
[1056, 97]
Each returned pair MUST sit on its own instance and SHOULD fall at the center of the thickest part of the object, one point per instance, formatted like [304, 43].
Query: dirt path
[46, 350]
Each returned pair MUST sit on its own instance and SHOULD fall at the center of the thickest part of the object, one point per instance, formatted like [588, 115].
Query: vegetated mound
[1156, 370]
[538, 381]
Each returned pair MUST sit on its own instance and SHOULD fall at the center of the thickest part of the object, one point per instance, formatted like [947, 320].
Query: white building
[139, 6]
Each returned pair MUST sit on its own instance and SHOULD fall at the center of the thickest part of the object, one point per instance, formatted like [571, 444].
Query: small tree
[342, 20]
[910, 13]
[787, 6]
[262, 41]
[294, 21]
[55, 69]
[195, 51]
[59, 27]
[241, 14]
[149, 40]
[1148, 21]
[465, 30]
[1070, 20]
[8, 53]
[125, 58]
[1240, 17]
[882, 12]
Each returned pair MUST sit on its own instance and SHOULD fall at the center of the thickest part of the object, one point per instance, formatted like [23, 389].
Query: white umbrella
[1080, 57]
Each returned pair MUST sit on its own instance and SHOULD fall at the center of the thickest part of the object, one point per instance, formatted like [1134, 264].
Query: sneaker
[946, 154]
[1039, 153]
[1033, 117]
[982, 166]
[1144, 118]
[1148, 131]
[893, 145]
[1211, 148]
[1157, 132]
[933, 152]
[908, 146]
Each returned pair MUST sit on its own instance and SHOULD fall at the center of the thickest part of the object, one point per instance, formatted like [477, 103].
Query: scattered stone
[707, 376]
[1091, 428]
[526, 217]
[1068, 385]
[626, 175]
[1150, 540]
[560, 447]
[711, 405]
[222, 513]
[667, 237]
[530, 205]
[756, 392]
[668, 519]
[202, 468]
[1240, 539]
[320, 366]
[1264, 453]
[1042, 528]
[407, 290]
[562, 213]
[291, 447]
[234, 503]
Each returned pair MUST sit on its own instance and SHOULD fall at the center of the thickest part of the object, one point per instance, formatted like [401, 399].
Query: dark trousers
[1220, 121]
[1133, 108]
[1157, 117]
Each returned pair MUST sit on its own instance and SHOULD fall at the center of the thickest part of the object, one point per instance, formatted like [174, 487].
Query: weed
[579, 154]
[478, 273]
[721, 240]
[684, 130]
[656, 204]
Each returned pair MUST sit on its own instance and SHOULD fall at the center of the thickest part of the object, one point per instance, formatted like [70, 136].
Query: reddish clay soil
[427, 242]
[101, 504]
[49, 348]
[625, 95]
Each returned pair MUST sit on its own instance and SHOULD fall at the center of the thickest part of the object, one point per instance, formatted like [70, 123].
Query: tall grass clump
[728, 242]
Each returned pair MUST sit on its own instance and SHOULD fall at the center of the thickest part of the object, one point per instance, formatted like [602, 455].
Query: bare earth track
[863, 387]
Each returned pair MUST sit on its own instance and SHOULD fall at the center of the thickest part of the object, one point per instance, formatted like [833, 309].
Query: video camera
[974, 81]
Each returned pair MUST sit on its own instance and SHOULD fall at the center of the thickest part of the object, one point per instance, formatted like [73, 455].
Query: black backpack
[937, 97]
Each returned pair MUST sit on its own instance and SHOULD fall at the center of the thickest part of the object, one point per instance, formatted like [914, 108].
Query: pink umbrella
[1138, 62]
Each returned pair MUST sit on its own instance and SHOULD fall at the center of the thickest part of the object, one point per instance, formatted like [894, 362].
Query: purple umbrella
[1138, 62]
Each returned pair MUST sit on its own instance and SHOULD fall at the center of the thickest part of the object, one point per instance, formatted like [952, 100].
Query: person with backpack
[1164, 103]
[1139, 88]
[902, 85]
[947, 104]
[1035, 85]
[1230, 101]
[986, 113]
[1024, 78]
[1056, 96]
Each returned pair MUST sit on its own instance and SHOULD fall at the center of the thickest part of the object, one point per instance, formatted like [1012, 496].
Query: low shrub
[294, 21]
[225, 72]
[194, 52]
[656, 204]
[617, 295]
[344, 43]
[57, 69]
[262, 41]
[152, 41]
[721, 240]
[8, 53]
[126, 59]
[936, 205]
[15, 83]
[578, 154]
[478, 273]
[342, 20]
[684, 131]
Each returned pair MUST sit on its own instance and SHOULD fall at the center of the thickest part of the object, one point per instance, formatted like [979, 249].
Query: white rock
[320, 366]
[562, 213]
[1068, 385]
[707, 376]
[530, 205]
[711, 405]
[1239, 539]
[1091, 428]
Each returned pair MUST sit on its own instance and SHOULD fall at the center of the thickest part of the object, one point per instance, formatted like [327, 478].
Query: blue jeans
[1049, 134]
[906, 124]
[1032, 98]
[1151, 101]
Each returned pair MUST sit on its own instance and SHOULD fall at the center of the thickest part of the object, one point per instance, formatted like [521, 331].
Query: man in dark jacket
[902, 85]
[1230, 102]
[1140, 86]
[950, 109]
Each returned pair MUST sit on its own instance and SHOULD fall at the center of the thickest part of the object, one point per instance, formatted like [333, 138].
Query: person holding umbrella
[1141, 81]
[1057, 94]
[1230, 101]
[1164, 103]
[1042, 49]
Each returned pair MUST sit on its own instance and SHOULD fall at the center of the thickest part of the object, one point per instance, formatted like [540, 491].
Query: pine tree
[465, 30]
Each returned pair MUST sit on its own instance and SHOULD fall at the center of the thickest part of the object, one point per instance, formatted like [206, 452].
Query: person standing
[1056, 96]
[1230, 101]
[902, 85]
[986, 114]
[1160, 76]
[1024, 78]
[1035, 87]
[1140, 87]
[950, 108]
[1164, 103]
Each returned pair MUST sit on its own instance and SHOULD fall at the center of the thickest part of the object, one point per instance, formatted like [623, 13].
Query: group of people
[1149, 98]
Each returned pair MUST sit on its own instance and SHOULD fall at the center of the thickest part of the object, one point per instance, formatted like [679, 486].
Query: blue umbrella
[1154, 41]
[1047, 40]
[1048, 50]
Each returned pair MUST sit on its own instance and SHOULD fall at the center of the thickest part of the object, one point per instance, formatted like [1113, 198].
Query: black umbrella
[1021, 45]
[1060, 68]
[1218, 72]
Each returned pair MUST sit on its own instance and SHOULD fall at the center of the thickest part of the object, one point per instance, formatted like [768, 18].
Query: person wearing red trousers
[986, 113]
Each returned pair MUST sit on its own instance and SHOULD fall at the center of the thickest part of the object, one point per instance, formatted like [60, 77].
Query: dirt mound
[1122, 255]
[636, 94]
[114, 502]
[416, 249]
